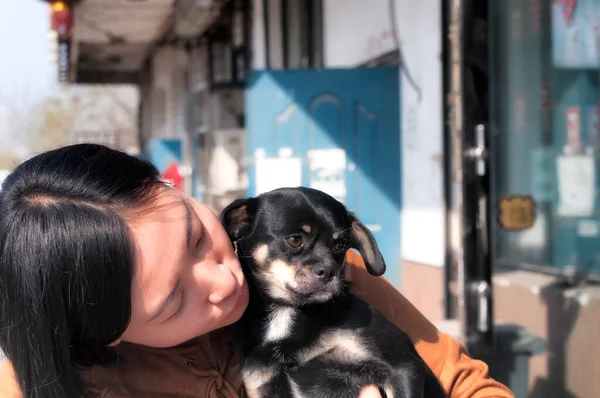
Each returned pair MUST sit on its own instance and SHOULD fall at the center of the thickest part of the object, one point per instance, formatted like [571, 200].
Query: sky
[24, 28]
[26, 72]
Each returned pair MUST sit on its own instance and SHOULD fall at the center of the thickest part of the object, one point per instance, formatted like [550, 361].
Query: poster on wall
[576, 185]
[277, 172]
[328, 171]
[575, 40]
[516, 212]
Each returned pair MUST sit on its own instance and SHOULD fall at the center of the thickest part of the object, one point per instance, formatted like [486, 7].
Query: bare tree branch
[62, 118]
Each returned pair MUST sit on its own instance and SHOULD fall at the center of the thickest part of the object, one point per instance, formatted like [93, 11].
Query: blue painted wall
[353, 110]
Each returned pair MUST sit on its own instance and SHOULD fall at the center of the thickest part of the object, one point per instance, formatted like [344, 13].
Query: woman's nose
[217, 280]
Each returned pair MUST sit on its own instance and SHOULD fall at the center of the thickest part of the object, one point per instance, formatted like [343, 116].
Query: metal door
[342, 127]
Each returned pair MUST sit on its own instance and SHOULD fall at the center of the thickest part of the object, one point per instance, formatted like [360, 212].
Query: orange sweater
[207, 367]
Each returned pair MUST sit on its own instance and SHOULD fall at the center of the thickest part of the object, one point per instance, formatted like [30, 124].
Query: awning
[111, 39]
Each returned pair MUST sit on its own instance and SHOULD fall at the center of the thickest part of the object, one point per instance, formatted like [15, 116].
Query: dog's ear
[363, 240]
[238, 216]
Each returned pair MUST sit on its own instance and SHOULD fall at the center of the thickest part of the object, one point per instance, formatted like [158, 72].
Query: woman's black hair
[66, 262]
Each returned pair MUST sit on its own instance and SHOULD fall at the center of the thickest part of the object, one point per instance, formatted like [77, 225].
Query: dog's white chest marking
[280, 323]
[342, 345]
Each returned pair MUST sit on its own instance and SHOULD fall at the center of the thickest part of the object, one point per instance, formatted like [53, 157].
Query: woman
[113, 284]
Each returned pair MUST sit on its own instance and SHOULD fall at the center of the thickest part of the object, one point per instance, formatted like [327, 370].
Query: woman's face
[187, 278]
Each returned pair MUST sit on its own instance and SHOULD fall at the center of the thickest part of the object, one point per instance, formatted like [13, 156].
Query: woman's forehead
[167, 206]
[160, 238]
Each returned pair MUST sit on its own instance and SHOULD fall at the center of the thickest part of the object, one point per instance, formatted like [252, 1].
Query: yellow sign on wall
[516, 212]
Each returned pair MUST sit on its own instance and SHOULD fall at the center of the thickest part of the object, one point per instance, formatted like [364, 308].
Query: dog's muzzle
[318, 278]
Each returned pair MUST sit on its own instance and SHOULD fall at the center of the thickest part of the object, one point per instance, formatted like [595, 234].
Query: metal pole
[456, 131]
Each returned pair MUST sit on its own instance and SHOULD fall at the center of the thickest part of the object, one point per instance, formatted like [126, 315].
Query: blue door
[341, 128]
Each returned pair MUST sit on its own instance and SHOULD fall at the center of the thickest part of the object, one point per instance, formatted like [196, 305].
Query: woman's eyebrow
[158, 312]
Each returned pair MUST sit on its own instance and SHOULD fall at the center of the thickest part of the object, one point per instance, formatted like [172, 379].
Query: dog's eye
[340, 244]
[294, 241]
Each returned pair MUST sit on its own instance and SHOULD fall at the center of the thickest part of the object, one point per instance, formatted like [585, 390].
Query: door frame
[469, 267]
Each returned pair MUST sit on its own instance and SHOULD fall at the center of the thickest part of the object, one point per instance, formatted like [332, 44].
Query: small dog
[304, 334]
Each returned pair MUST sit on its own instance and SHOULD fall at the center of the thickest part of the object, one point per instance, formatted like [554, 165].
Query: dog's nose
[323, 272]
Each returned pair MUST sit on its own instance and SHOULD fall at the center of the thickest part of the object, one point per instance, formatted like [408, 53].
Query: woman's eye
[200, 235]
[295, 241]
[178, 311]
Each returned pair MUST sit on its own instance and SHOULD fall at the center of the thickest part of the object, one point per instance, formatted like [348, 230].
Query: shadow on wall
[562, 315]
[565, 314]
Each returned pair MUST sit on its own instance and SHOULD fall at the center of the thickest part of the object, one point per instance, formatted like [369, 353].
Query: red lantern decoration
[172, 175]
[61, 19]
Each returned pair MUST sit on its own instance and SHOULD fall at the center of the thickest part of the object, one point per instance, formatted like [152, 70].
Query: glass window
[303, 24]
[545, 135]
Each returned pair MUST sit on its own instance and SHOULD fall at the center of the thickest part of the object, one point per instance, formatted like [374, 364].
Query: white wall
[358, 30]
[3, 174]
[355, 31]
[423, 215]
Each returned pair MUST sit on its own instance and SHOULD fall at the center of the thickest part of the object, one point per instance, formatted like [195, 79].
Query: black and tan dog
[304, 334]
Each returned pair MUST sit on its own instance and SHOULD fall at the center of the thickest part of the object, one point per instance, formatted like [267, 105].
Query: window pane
[317, 33]
[295, 19]
[304, 33]
[546, 129]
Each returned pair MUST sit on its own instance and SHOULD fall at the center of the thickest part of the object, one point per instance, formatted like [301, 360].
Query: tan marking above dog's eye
[307, 229]
[336, 235]
[295, 241]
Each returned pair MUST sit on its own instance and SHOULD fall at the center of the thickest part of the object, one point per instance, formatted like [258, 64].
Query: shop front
[530, 207]
[544, 82]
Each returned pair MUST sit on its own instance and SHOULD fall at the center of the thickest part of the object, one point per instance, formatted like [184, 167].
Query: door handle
[483, 297]
[479, 152]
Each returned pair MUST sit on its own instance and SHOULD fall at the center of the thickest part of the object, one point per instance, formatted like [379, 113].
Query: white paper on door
[273, 173]
[328, 171]
[576, 185]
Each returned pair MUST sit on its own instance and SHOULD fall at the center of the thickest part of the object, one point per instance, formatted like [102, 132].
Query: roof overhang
[111, 39]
